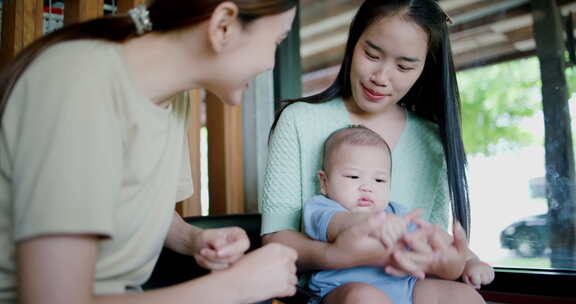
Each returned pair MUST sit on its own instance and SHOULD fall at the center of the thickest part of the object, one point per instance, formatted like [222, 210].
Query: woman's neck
[388, 123]
[161, 66]
[390, 113]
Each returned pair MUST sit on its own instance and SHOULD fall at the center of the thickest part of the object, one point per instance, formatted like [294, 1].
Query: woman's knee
[353, 293]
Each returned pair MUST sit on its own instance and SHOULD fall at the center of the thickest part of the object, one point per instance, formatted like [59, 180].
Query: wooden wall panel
[225, 164]
[21, 24]
[125, 5]
[82, 10]
[192, 206]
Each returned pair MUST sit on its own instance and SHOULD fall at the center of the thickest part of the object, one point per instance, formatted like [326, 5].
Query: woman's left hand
[217, 249]
[451, 251]
[415, 260]
[432, 251]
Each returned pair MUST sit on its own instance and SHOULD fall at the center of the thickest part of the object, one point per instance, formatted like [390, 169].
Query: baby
[355, 183]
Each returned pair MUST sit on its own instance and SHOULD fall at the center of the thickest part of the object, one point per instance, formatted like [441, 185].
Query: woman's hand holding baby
[451, 252]
[369, 241]
[414, 255]
[360, 244]
[394, 227]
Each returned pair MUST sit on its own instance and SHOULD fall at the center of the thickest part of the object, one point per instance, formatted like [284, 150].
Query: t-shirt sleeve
[317, 215]
[281, 205]
[65, 144]
[185, 183]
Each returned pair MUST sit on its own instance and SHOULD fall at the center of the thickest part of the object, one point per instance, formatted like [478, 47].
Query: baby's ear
[323, 181]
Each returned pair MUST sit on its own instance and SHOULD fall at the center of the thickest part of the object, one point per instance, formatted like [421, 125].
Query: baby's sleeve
[185, 182]
[317, 214]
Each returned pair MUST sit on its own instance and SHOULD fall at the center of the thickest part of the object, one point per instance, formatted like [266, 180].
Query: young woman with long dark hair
[93, 155]
[398, 79]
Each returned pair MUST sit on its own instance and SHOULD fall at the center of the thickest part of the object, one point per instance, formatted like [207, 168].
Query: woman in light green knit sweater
[397, 78]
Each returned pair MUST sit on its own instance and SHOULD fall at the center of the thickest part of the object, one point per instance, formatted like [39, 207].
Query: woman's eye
[352, 176]
[380, 180]
[370, 55]
[405, 68]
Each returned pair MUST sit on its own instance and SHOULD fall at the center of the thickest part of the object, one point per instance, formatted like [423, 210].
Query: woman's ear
[223, 24]
[323, 181]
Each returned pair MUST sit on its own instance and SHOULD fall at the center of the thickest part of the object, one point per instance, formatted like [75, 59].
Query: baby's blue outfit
[318, 212]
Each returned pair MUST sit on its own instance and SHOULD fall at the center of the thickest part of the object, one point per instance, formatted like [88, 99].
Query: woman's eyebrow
[379, 49]
[374, 46]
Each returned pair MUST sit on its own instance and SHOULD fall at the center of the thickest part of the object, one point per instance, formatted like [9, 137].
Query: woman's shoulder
[313, 109]
[84, 56]
[425, 133]
[314, 119]
[422, 122]
[423, 126]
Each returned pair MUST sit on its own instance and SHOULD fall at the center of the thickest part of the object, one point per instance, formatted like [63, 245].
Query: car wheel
[529, 243]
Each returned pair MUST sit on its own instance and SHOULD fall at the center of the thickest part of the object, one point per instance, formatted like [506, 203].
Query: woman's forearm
[353, 247]
[311, 253]
[207, 289]
[181, 236]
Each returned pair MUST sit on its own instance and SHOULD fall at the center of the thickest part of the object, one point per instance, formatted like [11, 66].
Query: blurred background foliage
[496, 99]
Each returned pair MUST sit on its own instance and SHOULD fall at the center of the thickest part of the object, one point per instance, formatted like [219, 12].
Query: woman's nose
[380, 77]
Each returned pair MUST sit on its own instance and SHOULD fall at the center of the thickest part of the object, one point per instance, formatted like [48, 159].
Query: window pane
[504, 136]
[507, 143]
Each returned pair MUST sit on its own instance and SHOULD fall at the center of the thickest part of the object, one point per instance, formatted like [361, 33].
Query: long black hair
[165, 15]
[441, 104]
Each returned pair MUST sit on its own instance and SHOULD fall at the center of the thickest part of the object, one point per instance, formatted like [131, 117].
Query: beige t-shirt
[81, 151]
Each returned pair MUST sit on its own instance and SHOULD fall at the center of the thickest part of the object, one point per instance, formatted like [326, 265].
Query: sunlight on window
[507, 162]
[204, 193]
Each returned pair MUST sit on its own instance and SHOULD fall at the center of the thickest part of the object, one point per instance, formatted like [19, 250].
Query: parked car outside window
[527, 237]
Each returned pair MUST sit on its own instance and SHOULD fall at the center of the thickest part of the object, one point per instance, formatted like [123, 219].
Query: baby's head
[356, 169]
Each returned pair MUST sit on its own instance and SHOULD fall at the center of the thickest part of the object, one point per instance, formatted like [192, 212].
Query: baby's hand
[394, 227]
[392, 230]
[477, 273]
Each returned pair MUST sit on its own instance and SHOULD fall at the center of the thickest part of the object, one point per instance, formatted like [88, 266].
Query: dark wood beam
[22, 22]
[125, 5]
[465, 65]
[288, 70]
[81, 10]
[225, 159]
[548, 34]
[192, 205]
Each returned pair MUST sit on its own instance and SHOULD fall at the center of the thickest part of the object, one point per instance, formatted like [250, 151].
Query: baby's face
[358, 177]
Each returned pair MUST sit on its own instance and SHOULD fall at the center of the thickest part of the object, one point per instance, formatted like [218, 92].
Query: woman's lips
[371, 95]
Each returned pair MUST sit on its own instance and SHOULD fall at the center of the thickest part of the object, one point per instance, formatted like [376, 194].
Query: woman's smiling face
[388, 59]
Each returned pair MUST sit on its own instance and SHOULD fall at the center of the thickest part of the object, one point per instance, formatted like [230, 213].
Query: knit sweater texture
[419, 177]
